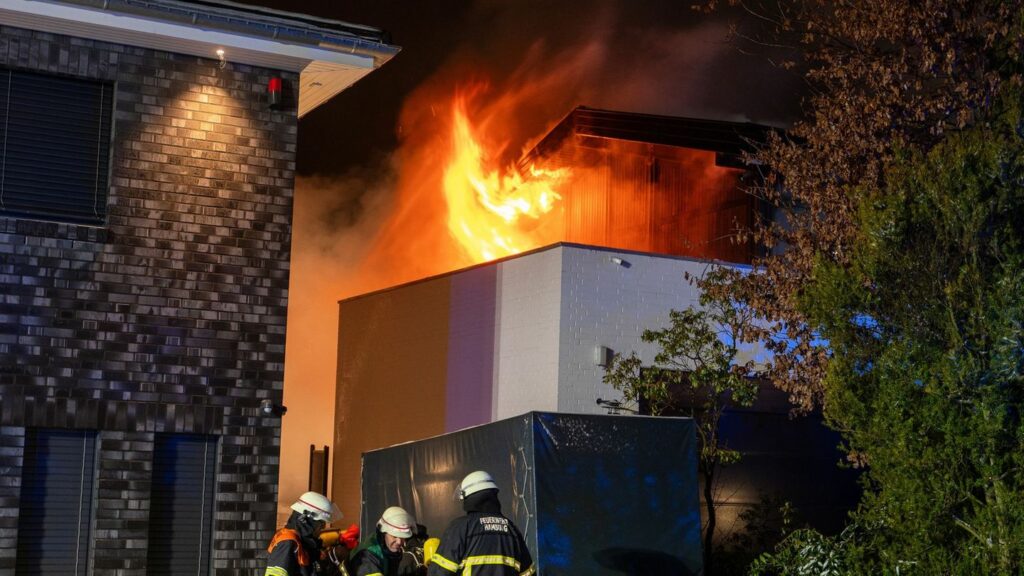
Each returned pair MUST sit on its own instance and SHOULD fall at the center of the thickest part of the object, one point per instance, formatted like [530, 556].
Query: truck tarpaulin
[592, 494]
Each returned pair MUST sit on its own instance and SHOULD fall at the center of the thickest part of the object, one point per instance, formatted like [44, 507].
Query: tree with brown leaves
[893, 295]
[881, 73]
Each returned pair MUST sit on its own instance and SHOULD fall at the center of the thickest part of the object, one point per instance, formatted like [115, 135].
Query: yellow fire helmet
[429, 547]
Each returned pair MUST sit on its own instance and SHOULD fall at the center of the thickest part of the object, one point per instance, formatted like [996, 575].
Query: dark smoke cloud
[659, 56]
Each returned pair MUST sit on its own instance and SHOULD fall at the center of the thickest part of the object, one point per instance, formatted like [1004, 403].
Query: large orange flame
[489, 210]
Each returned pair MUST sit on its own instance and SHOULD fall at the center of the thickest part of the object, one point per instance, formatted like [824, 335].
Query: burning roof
[638, 182]
[591, 127]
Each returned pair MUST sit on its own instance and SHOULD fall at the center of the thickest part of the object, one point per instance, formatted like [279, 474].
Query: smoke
[385, 223]
[332, 217]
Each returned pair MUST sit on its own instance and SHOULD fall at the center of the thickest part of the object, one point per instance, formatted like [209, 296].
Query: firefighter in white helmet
[295, 549]
[483, 542]
[381, 553]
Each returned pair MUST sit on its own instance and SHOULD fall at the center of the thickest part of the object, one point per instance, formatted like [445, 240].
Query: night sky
[658, 57]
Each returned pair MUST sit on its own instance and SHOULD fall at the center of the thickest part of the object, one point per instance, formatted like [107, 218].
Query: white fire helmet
[318, 507]
[397, 522]
[475, 482]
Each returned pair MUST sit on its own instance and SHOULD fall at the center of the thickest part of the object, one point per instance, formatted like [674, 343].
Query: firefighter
[483, 542]
[381, 553]
[295, 549]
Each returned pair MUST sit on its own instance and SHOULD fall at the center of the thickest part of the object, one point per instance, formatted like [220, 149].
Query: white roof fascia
[118, 28]
[324, 72]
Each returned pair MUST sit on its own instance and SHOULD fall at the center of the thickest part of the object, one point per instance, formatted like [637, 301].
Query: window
[54, 147]
[54, 518]
[181, 504]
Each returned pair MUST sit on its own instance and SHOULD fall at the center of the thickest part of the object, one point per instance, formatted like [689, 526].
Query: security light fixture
[268, 408]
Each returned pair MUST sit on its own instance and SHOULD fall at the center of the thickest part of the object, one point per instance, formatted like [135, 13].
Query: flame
[490, 211]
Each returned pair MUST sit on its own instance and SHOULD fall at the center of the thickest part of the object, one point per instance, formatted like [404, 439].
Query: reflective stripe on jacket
[481, 544]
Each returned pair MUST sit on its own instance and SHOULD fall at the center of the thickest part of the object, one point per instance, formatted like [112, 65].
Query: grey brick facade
[169, 318]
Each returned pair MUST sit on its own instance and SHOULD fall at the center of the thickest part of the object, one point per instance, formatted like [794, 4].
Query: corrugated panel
[629, 216]
[586, 199]
[181, 505]
[728, 139]
[56, 502]
[654, 199]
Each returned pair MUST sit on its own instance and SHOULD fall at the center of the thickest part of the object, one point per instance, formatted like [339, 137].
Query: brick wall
[12, 446]
[171, 317]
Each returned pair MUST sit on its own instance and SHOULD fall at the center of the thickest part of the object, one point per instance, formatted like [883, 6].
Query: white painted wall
[556, 306]
[528, 328]
[611, 304]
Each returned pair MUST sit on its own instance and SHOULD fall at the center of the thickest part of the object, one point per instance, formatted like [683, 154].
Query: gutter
[266, 23]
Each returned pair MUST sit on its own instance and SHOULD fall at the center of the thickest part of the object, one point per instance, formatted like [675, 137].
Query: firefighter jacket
[372, 558]
[288, 557]
[481, 544]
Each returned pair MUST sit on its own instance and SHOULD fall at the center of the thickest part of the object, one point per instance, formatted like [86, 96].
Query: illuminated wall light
[274, 85]
[222, 61]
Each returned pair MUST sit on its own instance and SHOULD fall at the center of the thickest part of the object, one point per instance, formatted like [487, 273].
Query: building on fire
[651, 200]
[146, 182]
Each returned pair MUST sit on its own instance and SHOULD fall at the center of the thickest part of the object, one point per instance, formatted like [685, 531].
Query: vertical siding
[653, 198]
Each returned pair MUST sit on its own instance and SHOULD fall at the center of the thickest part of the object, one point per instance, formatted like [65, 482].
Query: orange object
[349, 537]
[289, 534]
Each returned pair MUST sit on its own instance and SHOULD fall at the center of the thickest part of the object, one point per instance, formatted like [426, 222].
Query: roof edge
[544, 249]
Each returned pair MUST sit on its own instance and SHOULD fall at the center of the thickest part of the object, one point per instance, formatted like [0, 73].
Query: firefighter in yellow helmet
[381, 553]
[483, 542]
[295, 549]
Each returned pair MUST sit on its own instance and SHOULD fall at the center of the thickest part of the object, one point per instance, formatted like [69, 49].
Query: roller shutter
[181, 505]
[54, 146]
[55, 512]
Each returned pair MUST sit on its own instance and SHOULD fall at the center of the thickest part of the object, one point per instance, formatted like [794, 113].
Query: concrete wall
[171, 316]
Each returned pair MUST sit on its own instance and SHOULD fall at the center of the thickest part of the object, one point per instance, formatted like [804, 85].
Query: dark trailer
[592, 494]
